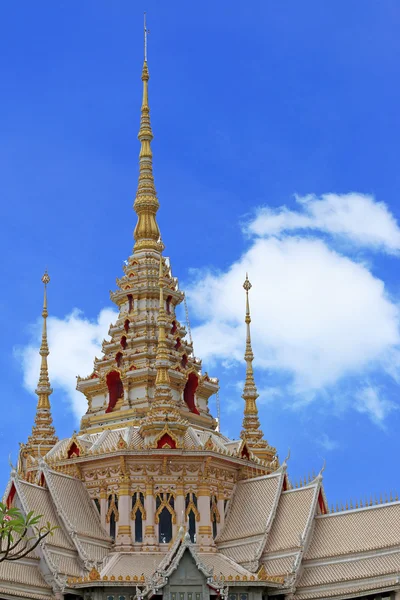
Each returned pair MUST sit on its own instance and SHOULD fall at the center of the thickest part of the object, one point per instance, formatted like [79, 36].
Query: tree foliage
[20, 534]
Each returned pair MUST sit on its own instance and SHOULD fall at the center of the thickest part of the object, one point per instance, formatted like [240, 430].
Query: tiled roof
[95, 551]
[66, 565]
[259, 495]
[132, 563]
[38, 500]
[350, 570]
[23, 571]
[290, 520]
[242, 553]
[59, 449]
[279, 566]
[223, 565]
[32, 595]
[355, 531]
[371, 586]
[76, 504]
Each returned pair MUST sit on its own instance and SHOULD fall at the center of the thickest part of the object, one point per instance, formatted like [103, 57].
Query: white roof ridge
[340, 513]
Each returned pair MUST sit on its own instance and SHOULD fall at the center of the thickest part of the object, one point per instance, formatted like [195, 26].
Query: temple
[149, 498]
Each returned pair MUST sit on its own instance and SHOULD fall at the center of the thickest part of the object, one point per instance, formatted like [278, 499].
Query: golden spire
[147, 233]
[162, 358]
[163, 406]
[251, 425]
[43, 433]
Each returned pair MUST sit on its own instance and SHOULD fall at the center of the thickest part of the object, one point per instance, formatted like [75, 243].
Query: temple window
[115, 389]
[189, 392]
[214, 513]
[192, 514]
[97, 503]
[118, 358]
[123, 342]
[166, 441]
[73, 450]
[130, 302]
[165, 516]
[112, 514]
[138, 514]
[178, 344]
[11, 496]
[168, 304]
[126, 325]
[174, 327]
[184, 361]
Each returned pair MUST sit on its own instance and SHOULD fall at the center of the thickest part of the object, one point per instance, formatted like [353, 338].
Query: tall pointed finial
[146, 33]
[43, 433]
[251, 425]
[44, 390]
[147, 233]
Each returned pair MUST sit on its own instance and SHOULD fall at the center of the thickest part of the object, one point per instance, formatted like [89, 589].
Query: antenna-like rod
[146, 32]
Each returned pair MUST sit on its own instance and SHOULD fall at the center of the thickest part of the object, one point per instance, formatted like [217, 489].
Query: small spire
[147, 233]
[162, 395]
[43, 433]
[251, 425]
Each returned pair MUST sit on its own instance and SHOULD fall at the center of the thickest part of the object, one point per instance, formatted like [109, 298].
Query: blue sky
[276, 150]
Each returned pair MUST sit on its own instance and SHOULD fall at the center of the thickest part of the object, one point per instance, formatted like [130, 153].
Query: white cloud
[355, 216]
[327, 443]
[317, 316]
[74, 342]
[369, 400]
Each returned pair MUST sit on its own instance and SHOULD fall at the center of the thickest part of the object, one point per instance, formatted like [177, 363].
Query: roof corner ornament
[319, 476]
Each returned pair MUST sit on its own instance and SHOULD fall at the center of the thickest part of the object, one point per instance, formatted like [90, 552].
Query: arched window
[130, 302]
[97, 503]
[168, 304]
[165, 516]
[215, 516]
[115, 389]
[123, 342]
[112, 526]
[174, 327]
[189, 392]
[177, 344]
[73, 450]
[192, 514]
[138, 514]
[112, 514]
[126, 325]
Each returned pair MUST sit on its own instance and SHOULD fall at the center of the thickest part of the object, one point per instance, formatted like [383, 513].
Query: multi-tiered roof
[150, 498]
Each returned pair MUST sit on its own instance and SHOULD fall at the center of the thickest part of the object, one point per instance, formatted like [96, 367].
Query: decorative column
[221, 508]
[204, 531]
[124, 535]
[179, 506]
[103, 506]
[150, 508]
